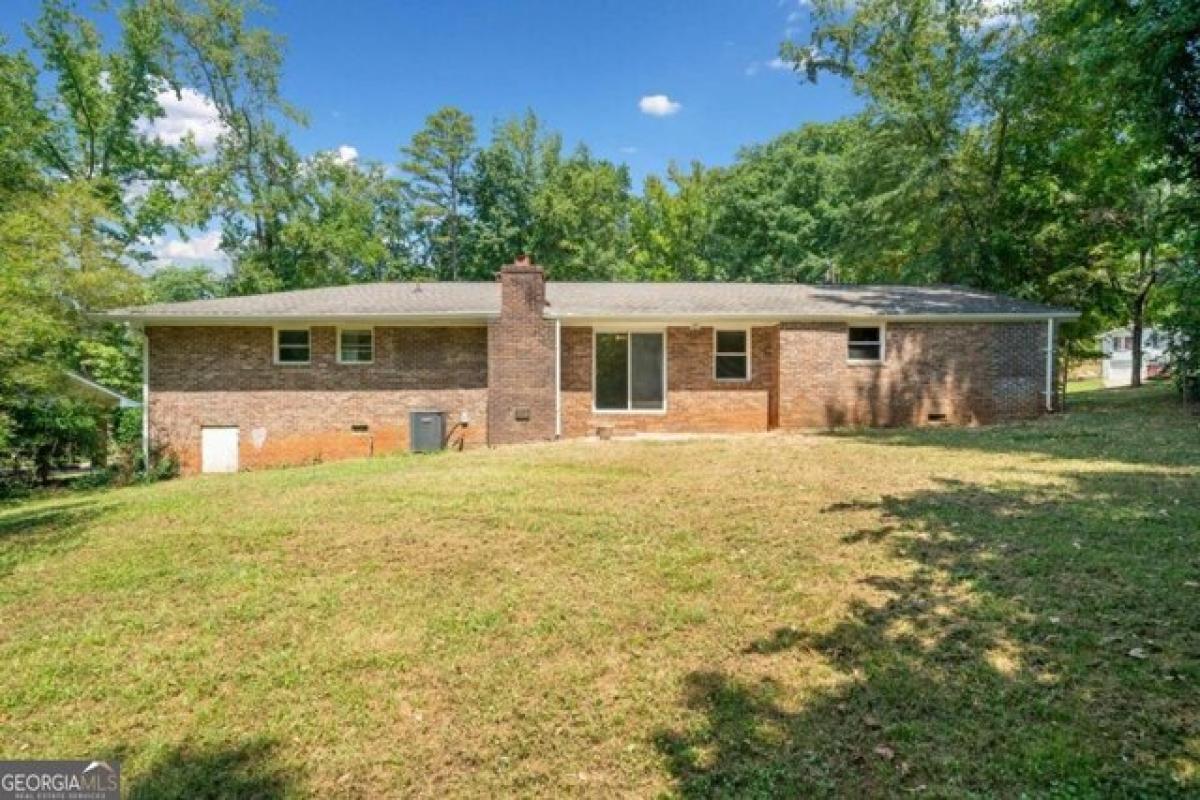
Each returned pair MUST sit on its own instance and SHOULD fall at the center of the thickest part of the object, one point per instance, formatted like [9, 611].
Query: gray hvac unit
[426, 431]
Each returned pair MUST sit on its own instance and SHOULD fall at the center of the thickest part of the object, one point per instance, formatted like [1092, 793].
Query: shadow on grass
[248, 770]
[1147, 426]
[1045, 643]
[27, 532]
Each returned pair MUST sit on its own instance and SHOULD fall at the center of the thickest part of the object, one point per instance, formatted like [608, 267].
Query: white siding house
[1117, 363]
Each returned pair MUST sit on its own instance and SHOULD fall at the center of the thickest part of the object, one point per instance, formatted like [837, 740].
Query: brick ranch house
[320, 374]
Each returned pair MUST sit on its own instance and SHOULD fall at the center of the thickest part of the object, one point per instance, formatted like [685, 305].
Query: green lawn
[991, 612]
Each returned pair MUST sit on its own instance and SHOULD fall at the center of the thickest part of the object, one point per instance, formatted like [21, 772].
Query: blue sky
[369, 71]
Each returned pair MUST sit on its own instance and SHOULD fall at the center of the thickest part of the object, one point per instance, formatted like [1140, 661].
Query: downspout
[557, 378]
[145, 401]
[1050, 364]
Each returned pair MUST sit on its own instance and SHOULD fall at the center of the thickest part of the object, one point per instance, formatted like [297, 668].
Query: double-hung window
[356, 345]
[731, 355]
[865, 344]
[630, 372]
[292, 346]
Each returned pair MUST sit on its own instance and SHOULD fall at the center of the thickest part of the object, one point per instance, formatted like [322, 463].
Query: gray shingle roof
[593, 300]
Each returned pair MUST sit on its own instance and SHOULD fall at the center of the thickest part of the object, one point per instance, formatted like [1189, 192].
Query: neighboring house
[329, 373]
[1116, 367]
[88, 389]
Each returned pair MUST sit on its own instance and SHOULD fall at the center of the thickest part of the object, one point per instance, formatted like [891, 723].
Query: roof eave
[457, 318]
[593, 318]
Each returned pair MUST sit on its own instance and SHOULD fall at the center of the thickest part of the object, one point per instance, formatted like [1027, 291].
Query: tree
[84, 109]
[247, 180]
[1146, 57]
[347, 225]
[52, 429]
[934, 149]
[672, 226]
[53, 269]
[583, 220]
[175, 284]
[995, 151]
[437, 163]
[1134, 259]
[509, 174]
[782, 211]
[1182, 322]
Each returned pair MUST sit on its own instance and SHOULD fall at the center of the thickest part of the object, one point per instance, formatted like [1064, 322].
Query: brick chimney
[522, 288]
[521, 352]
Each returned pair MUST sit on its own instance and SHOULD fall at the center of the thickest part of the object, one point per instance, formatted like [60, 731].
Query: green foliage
[347, 226]
[672, 226]
[783, 211]
[174, 284]
[52, 430]
[437, 164]
[582, 219]
[509, 174]
[85, 110]
[54, 265]
[248, 181]
[1182, 321]
[1018, 149]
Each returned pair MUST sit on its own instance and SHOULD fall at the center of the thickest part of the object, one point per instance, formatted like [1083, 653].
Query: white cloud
[202, 248]
[659, 105]
[777, 64]
[628, 150]
[184, 113]
[346, 153]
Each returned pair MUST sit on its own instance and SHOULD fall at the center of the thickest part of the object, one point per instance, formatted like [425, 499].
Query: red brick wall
[303, 413]
[799, 378]
[971, 373]
[521, 403]
[696, 401]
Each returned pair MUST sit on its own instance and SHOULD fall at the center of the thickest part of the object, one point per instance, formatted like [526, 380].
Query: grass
[1004, 611]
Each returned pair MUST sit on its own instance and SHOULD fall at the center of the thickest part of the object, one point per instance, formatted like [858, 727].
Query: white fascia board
[734, 320]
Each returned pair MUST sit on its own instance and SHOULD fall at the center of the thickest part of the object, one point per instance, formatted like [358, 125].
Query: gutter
[558, 379]
[145, 401]
[1050, 364]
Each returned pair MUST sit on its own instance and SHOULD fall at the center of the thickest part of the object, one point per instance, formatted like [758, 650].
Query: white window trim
[749, 349]
[355, 329]
[629, 369]
[275, 349]
[882, 343]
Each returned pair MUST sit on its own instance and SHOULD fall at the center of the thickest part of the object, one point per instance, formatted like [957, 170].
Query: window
[865, 344]
[731, 355]
[630, 372]
[292, 346]
[356, 346]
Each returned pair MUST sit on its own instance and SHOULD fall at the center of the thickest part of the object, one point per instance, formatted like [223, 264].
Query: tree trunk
[1139, 311]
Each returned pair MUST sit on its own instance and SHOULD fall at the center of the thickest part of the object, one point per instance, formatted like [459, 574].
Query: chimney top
[521, 264]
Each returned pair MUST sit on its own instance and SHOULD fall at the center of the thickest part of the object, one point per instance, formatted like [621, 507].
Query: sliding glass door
[630, 372]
